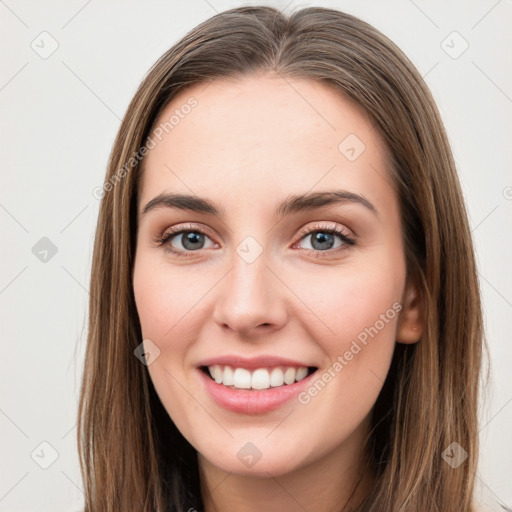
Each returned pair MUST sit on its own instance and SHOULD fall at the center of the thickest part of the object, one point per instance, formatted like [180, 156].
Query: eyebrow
[292, 204]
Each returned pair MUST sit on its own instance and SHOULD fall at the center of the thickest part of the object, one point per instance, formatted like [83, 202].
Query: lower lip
[253, 402]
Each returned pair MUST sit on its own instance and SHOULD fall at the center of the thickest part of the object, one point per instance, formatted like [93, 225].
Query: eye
[183, 240]
[326, 239]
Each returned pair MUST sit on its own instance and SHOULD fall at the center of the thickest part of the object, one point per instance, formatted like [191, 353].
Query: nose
[251, 300]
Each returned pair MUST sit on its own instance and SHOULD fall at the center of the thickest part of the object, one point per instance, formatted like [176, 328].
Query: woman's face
[257, 286]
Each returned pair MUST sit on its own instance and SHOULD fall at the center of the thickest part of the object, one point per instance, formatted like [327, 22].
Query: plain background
[59, 116]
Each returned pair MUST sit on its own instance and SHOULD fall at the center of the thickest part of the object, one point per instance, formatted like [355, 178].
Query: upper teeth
[262, 378]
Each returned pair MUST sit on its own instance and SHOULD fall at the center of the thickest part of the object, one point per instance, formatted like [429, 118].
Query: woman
[284, 310]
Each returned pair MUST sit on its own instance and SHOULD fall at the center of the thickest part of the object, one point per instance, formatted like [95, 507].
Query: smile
[258, 379]
[264, 389]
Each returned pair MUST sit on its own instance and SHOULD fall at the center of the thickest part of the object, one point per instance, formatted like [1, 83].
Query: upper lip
[263, 361]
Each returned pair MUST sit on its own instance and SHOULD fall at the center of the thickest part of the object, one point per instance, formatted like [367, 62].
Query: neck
[335, 482]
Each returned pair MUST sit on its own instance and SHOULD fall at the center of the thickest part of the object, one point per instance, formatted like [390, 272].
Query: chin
[258, 458]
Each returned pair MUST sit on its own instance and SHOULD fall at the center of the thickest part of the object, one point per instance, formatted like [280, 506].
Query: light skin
[247, 146]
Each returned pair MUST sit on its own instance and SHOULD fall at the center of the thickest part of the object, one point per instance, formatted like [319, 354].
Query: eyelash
[348, 241]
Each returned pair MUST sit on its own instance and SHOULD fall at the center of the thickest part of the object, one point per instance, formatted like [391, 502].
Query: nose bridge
[250, 294]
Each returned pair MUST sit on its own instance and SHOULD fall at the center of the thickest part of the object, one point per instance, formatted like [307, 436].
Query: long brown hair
[132, 456]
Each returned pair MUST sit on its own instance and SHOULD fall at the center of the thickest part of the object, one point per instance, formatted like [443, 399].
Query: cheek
[152, 299]
[356, 311]
[361, 311]
[351, 300]
[165, 305]
[166, 300]
[362, 307]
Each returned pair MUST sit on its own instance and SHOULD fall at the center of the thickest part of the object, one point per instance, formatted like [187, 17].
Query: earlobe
[411, 323]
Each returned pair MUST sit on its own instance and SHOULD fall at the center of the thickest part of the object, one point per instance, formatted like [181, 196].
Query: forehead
[261, 133]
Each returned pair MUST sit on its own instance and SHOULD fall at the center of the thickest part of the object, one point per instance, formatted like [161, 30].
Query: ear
[411, 323]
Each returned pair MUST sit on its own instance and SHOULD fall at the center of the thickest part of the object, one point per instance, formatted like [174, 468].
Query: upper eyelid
[175, 230]
[305, 230]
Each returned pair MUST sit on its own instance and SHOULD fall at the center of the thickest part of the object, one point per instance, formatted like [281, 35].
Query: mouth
[258, 379]
[254, 385]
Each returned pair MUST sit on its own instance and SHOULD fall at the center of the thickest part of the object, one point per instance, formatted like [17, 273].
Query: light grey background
[59, 116]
